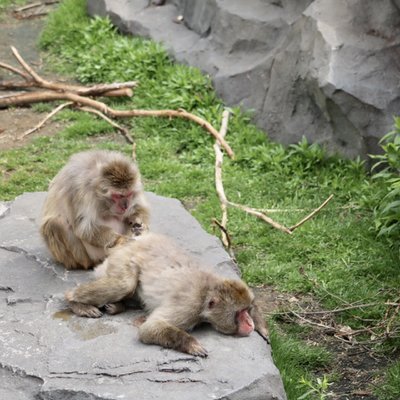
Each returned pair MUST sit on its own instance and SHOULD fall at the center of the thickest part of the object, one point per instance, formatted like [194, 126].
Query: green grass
[334, 255]
[390, 389]
[4, 4]
[295, 359]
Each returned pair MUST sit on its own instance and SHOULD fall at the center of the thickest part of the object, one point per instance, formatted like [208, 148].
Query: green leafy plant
[317, 389]
[387, 211]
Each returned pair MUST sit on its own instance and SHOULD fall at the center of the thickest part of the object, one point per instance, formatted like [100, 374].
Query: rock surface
[47, 352]
[323, 69]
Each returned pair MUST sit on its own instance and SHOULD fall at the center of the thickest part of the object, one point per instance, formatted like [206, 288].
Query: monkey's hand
[259, 321]
[137, 226]
[196, 349]
[263, 332]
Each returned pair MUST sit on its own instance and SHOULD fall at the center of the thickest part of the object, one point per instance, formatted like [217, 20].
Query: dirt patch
[23, 34]
[14, 122]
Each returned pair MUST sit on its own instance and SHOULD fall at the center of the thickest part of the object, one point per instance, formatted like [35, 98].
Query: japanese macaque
[94, 201]
[176, 294]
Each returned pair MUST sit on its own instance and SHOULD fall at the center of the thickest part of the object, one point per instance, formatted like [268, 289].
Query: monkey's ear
[212, 302]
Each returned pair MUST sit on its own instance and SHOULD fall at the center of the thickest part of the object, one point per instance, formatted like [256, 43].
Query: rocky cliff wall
[324, 69]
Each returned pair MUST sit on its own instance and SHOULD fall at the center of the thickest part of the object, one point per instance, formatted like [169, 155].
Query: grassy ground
[336, 258]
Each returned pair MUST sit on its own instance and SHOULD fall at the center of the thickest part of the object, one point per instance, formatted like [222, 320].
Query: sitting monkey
[95, 199]
[175, 292]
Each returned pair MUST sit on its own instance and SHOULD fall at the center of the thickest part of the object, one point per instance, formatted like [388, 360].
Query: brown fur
[118, 175]
[80, 220]
[176, 293]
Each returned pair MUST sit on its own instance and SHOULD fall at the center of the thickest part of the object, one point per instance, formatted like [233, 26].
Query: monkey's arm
[94, 234]
[159, 331]
[259, 322]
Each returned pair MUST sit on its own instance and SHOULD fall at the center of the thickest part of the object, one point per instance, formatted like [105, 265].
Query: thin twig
[292, 228]
[124, 131]
[225, 233]
[262, 216]
[15, 70]
[307, 321]
[339, 310]
[43, 121]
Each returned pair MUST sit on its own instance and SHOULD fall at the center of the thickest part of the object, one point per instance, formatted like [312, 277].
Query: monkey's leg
[65, 247]
[105, 291]
[158, 331]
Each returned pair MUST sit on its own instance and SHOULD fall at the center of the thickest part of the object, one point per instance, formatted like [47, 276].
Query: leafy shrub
[387, 212]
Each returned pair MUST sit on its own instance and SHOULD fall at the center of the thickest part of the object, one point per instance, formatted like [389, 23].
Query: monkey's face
[228, 309]
[118, 182]
[121, 201]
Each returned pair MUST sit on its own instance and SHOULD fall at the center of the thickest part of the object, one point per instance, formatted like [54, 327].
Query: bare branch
[15, 70]
[41, 123]
[218, 181]
[292, 228]
[262, 216]
[26, 67]
[176, 114]
[121, 129]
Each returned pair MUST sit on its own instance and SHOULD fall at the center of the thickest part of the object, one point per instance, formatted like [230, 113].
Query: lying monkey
[175, 292]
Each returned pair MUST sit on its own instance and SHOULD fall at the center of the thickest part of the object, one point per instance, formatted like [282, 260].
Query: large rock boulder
[323, 69]
[48, 353]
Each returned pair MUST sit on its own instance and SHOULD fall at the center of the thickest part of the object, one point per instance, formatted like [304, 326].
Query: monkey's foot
[114, 308]
[139, 321]
[85, 310]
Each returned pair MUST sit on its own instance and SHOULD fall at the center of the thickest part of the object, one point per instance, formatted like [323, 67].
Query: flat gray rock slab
[46, 351]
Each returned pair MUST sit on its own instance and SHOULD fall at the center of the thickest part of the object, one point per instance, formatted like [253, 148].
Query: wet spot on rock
[88, 329]
[65, 315]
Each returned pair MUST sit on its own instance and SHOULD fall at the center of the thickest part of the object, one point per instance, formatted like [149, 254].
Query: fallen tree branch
[218, 182]
[224, 202]
[77, 95]
[34, 5]
[176, 114]
[35, 80]
[27, 12]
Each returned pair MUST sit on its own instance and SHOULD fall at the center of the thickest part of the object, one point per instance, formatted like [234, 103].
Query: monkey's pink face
[245, 324]
[121, 202]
